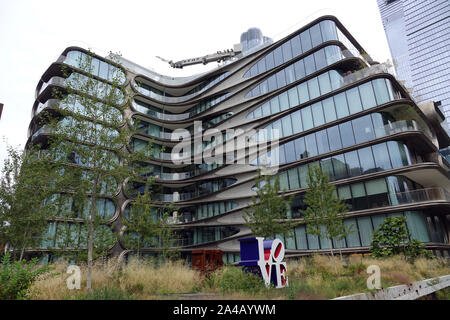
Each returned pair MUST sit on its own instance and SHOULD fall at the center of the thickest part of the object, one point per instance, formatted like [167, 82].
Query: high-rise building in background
[418, 33]
[332, 106]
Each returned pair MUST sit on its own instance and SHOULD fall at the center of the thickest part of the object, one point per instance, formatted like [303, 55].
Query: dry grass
[141, 280]
[309, 278]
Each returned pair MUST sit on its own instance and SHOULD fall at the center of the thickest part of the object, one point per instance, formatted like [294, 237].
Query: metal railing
[420, 195]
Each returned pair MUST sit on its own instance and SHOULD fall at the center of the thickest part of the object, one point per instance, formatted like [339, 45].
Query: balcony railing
[400, 126]
[366, 72]
[420, 195]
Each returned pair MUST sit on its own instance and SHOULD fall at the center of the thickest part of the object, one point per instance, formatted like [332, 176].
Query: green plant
[232, 279]
[17, 277]
[324, 214]
[267, 215]
[392, 238]
[105, 293]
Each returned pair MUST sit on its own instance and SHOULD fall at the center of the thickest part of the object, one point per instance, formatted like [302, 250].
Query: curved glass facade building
[331, 105]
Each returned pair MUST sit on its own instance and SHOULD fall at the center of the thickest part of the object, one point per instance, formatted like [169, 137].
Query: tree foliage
[90, 141]
[267, 216]
[28, 179]
[324, 213]
[392, 238]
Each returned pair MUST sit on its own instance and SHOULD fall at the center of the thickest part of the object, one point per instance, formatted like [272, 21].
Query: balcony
[366, 72]
[421, 195]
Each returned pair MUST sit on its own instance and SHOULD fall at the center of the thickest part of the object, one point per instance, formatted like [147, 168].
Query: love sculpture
[264, 258]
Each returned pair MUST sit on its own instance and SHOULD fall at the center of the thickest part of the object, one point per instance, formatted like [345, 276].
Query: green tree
[267, 216]
[89, 138]
[150, 226]
[392, 238]
[24, 187]
[324, 213]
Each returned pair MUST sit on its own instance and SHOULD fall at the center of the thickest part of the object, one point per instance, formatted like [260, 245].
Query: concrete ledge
[404, 292]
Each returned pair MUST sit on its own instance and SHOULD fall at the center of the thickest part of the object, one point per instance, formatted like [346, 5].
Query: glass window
[310, 65]
[359, 196]
[272, 83]
[284, 101]
[293, 97]
[255, 92]
[322, 142]
[354, 102]
[287, 126]
[258, 113]
[299, 68]
[274, 105]
[287, 53]
[270, 62]
[262, 66]
[324, 82]
[303, 92]
[313, 241]
[346, 130]
[311, 145]
[328, 109]
[296, 46]
[321, 60]
[297, 126]
[363, 129]
[282, 155]
[367, 95]
[300, 148]
[398, 154]
[353, 238]
[334, 137]
[365, 230]
[306, 41]
[352, 160]
[103, 72]
[340, 167]
[381, 154]
[266, 109]
[316, 36]
[284, 182]
[303, 175]
[277, 126]
[327, 168]
[264, 87]
[290, 74]
[336, 79]
[328, 30]
[366, 159]
[281, 79]
[300, 237]
[278, 56]
[313, 87]
[340, 102]
[416, 226]
[381, 92]
[378, 220]
[307, 118]
[253, 70]
[294, 181]
[318, 114]
[333, 54]
[377, 193]
[290, 152]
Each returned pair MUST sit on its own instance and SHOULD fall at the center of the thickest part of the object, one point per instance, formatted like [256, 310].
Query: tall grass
[309, 278]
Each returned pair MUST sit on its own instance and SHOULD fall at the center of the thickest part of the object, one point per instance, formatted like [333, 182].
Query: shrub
[232, 279]
[392, 238]
[17, 277]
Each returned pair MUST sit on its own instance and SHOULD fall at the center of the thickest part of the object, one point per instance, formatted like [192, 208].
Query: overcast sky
[34, 33]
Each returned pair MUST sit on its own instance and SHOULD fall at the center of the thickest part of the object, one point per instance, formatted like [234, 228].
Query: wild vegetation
[309, 278]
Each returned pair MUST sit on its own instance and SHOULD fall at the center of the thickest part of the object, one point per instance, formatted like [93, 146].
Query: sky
[34, 33]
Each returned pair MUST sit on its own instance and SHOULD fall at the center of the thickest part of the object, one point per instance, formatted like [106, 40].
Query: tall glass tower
[419, 38]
